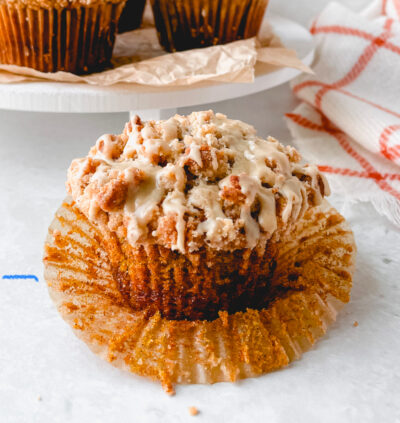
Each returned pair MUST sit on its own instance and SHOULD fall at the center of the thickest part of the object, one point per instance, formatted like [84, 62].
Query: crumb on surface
[168, 388]
[39, 398]
[193, 411]
[355, 324]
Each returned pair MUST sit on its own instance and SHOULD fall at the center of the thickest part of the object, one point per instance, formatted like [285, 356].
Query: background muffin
[187, 24]
[58, 35]
[192, 211]
[131, 16]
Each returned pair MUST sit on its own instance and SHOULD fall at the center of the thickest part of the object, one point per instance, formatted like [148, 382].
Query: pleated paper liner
[131, 16]
[75, 38]
[183, 25]
[315, 263]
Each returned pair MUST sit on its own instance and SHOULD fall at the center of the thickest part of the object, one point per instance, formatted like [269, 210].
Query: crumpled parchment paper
[139, 59]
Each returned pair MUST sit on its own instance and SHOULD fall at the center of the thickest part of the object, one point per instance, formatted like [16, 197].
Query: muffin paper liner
[183, 25]
[131, 16]
[73, 39]
[315, 264]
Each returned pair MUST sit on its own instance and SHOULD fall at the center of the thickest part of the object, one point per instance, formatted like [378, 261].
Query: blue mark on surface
[21, 277]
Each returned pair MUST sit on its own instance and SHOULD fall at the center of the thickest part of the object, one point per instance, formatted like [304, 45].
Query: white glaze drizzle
[194, 153]
[174, 204]
[142, 203]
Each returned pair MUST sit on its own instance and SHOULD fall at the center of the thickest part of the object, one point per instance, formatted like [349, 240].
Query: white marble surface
[352, 375]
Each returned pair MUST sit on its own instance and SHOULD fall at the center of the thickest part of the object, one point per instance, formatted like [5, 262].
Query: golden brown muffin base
[193, 286]
[315, 264]
[184, 25]
[76, 38]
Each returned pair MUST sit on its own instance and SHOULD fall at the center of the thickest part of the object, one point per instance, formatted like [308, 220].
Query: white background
[352, 375]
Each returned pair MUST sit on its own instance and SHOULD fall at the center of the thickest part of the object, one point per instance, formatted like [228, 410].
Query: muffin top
[192, 181]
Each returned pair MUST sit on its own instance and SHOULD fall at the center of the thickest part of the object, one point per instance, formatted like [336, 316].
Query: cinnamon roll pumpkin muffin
[194, 251]
[193, 212]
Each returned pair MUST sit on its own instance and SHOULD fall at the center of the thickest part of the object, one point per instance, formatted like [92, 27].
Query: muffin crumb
[355, 324]
[193, 411]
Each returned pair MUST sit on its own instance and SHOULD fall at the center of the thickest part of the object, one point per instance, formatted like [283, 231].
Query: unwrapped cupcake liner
[184, 25]
[230, 347]
[77, 39]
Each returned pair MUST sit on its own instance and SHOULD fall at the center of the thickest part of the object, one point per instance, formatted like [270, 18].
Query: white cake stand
[153, 102]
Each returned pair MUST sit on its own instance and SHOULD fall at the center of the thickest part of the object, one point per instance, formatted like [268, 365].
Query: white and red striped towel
[349, 121]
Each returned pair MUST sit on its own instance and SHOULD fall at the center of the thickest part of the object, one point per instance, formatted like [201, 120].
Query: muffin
[183, 25]
[131, 17]
[192, 211]
[193, 251]
[58, 35]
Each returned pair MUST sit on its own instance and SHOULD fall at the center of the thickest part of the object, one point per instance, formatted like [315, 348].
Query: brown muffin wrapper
[184, 25]
[316, 263]
[74, 39]
[131, 16]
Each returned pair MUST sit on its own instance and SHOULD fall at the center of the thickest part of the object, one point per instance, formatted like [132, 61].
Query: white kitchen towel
[349, 120]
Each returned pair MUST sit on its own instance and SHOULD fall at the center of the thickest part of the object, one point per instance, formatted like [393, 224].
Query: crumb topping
[191, 180]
